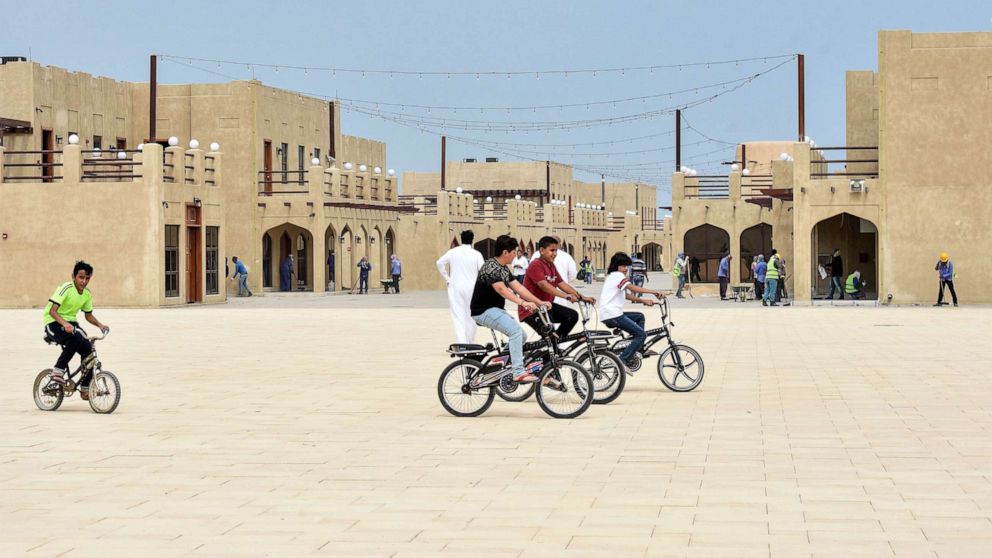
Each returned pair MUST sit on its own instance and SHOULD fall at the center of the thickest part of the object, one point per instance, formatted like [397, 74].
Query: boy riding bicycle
[61, 325]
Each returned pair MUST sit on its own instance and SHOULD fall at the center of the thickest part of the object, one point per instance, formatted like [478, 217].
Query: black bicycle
[591, 349]
[104, 392]
[468, 386]
[680, 367]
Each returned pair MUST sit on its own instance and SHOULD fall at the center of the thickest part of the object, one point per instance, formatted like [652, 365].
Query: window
[316, 153]
[97, 142]
[284, 161]
[172, 260]
[213, 243]
[301, 157]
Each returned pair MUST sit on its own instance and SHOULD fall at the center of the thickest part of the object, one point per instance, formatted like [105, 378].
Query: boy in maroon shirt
[543, 280]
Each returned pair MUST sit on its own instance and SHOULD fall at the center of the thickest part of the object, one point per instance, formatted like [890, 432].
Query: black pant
[71, 344]
[724, 281]
[566, 318]
[759, 289]
[396, 283]
[950, 285]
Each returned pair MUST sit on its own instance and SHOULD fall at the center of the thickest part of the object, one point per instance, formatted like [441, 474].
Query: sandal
[525, 378]
[553, 382]
[84, 394]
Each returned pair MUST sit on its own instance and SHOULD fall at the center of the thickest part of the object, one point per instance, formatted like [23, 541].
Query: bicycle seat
[600, 334]
[466, 349]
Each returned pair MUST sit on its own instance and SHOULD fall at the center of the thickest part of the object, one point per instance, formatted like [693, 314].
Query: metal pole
[332, 150]
[602, 189]
[743, 156]
[678, 140]
[443, 164]
[547, 177]
[802, 97]
[152, 96]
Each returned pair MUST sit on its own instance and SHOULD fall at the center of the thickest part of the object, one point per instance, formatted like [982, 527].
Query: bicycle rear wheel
[105, 392]
[570, 393]
[455, 391]
[682, 371]
[607, 373]
[48, 395]
[512, 391]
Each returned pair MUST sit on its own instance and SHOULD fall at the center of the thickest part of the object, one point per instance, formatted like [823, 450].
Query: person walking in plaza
[330, 271]
[638, 270]
[241, 276]
[760, 269]
[286, 274]
[396, 270]
[494, 286]
[771, 280]
[836, 274]
[585, 269]
[679, 272]
[544, 281]
[364, 268]
[854, 287]
[616, 288]
[520, 265]
[459, 267]
[694, 269]
[723, 275]
[945, 270]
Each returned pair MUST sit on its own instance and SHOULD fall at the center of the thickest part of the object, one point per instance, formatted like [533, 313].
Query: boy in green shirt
[62, 327]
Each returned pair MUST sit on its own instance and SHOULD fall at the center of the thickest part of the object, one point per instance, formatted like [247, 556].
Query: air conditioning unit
[469, 161]
[492, 159]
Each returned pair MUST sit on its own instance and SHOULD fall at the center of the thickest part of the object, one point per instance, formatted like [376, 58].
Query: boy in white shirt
[617, 288]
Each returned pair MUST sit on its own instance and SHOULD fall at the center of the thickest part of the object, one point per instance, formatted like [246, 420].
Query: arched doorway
[705, 246]
[487, 246]
[390, 240]
[331, 242]
[754, 240]
[282, 241]
[857, 240]
[652, 256]
[348, 259]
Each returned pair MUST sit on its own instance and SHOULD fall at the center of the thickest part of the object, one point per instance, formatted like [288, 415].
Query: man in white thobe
[565, 264]
[463, 263]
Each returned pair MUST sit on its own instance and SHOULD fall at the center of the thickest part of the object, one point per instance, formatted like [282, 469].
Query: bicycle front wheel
[105, 392]
[454, 389]
[48, 395]
[607, 373]
[680, 368]
[565, 391]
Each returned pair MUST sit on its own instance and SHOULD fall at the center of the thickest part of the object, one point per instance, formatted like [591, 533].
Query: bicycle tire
[576, 380]
[484, 401]
[53, 400]
[517, 394]
[672, 384]
[606, 392]
[104, 392]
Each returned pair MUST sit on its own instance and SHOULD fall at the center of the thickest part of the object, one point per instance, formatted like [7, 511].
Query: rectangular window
[97, 142]
[172, 260]
[301, 156]
[213, 245]
[284, 161]
[316, 153]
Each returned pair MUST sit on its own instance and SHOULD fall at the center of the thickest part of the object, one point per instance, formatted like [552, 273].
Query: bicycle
[104, 392]
[591, 350]
[467, 387]
[677, 361]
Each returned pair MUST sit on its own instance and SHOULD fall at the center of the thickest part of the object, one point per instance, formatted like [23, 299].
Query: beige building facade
[910, 183]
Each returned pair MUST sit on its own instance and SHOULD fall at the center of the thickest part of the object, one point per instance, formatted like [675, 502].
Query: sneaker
[955, 304]
[84, 393]
[57, 376]
[764, 303]
[525, 378]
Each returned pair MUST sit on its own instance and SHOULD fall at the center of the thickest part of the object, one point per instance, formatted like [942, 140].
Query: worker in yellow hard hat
[945, 269]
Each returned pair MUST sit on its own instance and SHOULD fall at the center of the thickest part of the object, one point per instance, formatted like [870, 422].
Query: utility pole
[801, 59]
[678, 140]
[152, 96]
[444, 140]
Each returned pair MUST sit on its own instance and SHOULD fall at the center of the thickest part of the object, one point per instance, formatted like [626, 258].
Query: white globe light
[97, 153]
[391, 172]
[475, 201]
[362, 168]
[489, 199]
[735, 167]
[693, 172]
[684, 169]
[173, 141]
[746, 172]
[214, 146]
[315, 161]
[348, 166]
[807, 139]
[377, 170]
[517, 197]
[610, 214]
[141, 147]
[121, 155]
[784, 156]
[458, 190]
[194, 144]
[73, 139]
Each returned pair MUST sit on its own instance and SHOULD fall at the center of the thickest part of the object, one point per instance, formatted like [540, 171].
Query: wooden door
[47, 158]
[267, 162]
[194, 255]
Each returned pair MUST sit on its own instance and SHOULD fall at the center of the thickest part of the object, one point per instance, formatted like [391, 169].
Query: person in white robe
[460, 269]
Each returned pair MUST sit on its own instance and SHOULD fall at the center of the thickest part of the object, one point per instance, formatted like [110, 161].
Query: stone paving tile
[310, 426]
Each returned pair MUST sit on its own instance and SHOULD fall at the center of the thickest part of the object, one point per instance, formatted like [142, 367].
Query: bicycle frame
[657, 334]
[90, 363]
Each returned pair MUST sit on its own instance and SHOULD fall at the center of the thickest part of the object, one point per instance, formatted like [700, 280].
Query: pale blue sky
[115, 39]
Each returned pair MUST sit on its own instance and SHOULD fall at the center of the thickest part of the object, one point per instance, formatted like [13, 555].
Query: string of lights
[478, 74]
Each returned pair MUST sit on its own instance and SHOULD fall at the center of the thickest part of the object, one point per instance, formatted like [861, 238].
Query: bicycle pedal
[650, 354]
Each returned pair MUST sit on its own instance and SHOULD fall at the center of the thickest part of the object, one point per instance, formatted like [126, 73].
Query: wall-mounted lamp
[358, 240]
[312, 215]
[371, 240]
[5, 238]
[197, 202]
[341, 239]
[58, 140]
[165, 205]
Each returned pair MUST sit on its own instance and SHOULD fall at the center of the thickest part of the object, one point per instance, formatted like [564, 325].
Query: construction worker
[854, 285]
[771, 280]
[945, 269]
[678, 272]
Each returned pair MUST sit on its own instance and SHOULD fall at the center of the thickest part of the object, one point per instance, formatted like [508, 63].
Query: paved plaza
[291, 426]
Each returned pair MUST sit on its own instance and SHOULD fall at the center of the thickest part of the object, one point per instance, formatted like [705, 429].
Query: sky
[630, 139]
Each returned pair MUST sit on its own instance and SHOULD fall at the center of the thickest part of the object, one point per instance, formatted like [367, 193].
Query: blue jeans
[637, 280]
[498, 319]
[681, 284]
[632, 323]
[835, 284]
[589, 278]
[363, 283]
[771, 287]
[243, 285]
